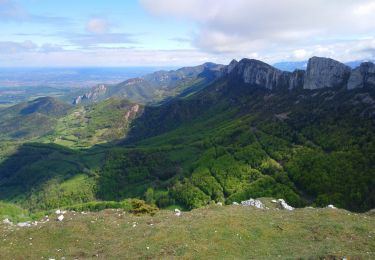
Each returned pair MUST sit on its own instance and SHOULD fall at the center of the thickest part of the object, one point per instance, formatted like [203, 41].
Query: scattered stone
[24, 224]
[274, 201]
[7, 222]
[58, 212]
[254, 203]
[177, 212]
[219, 204]
[235, 203]
[60, 218]
[330, 206]
[283, 205]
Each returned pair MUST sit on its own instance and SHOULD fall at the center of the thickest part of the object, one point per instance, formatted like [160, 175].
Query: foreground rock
[253, 203]
[7, 222]
[283, 205]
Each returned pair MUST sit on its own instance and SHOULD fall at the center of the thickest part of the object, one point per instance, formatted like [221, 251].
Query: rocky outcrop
[325, 73]
[363, 76]
[91, 95]
[258, 73]
[253, 203]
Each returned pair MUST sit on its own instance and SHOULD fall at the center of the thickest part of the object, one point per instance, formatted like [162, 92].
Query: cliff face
[325, 73]
[363, 76]
[258, 73]
[320, 73]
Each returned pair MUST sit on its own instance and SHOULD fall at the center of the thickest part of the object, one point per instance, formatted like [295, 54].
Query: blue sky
[183, 32]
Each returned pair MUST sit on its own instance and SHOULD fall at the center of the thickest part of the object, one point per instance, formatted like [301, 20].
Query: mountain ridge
[244, 134]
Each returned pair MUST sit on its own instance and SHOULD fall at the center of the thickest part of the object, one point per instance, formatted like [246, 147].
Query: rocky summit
[320, 73]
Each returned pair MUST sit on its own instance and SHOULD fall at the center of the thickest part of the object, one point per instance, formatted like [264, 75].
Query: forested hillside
[254, 132]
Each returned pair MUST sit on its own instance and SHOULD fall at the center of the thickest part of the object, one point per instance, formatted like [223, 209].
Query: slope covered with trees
[242, 136]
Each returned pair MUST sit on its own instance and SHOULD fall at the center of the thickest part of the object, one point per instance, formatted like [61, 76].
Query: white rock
[274, 201]
[219, 204]
[330, 206]
[60, 218]
[177, 212]
[63, 212]
[283, 205]
[58, 212]
[7, 221]
[235, 203]
[24, 224]
[254, 203]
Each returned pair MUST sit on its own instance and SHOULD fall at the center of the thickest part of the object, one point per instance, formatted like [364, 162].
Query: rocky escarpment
[258, 73]
[325, 73]
[320, 73]
[363, 76]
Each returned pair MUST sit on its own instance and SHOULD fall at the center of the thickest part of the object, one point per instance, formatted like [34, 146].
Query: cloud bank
[288, 29]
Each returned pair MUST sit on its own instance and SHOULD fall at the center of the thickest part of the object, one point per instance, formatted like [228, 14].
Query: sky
[102, 33]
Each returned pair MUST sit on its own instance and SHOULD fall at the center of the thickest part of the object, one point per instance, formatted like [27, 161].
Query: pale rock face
[363, 76]
[258, 73]
[60, 218]
[325, 73]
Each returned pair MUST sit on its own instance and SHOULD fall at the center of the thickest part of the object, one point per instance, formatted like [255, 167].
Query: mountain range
[200, 134]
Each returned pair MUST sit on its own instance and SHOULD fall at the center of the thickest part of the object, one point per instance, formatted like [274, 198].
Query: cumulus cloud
[97, 25]
[244, 27]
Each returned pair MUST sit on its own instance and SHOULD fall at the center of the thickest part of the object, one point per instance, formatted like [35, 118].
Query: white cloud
[97, 25]
[273, 27]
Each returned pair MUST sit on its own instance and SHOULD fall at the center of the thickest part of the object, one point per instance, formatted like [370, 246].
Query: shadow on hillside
[34, 164]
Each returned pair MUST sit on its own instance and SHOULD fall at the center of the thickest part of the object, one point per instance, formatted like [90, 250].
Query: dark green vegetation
[227, 143]
[30, 119]
[230, 232]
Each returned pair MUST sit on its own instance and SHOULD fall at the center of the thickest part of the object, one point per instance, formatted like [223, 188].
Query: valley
[217, 136]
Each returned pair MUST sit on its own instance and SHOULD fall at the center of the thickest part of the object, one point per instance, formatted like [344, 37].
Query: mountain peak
[325, 72]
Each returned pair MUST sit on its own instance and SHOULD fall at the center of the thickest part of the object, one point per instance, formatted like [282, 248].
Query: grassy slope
[230, 232]
[86, 126]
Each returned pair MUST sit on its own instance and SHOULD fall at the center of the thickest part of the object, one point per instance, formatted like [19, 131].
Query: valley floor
[214, 232]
